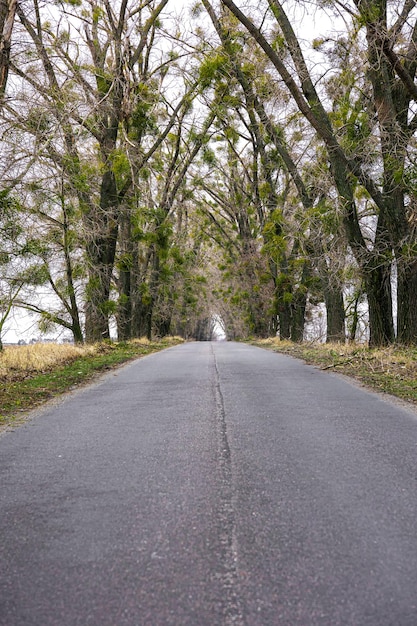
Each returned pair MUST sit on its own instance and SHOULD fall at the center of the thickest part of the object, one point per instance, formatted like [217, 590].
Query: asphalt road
[211, 485]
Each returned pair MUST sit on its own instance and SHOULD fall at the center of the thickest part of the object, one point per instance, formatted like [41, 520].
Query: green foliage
[92, 287]
[36, 275]
[104, 81]
[38, 121]
[138, 234]
[120, 165]
[279, 43]
[80, 172]
[97, 13]
[410, 179]
[274, 234]
[108, 308]
[197, 9]
[35, 247]
[265, 190]
[231, 134]
[318, 43]
[10, 208]
[213, 66]
[74, 3]
[123, 300]
[208, 156]
[177, 256]
[145, 294]
[125, 262]
[46, 323]
[141, 120]
[7, 203]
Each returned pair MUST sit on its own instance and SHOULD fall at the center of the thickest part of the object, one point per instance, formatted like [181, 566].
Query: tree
[165, 178]
[394, 95]
[374, 261]
[117, 135]
[286, 245]
[98, 90]
[58, 250]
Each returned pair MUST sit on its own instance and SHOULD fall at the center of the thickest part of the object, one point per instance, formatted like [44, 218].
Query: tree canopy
[243, 166]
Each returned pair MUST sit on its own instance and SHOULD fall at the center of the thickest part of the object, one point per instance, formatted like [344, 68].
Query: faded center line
[226, 516]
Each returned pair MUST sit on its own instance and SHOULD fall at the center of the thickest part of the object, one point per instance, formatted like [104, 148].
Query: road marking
[233, 615]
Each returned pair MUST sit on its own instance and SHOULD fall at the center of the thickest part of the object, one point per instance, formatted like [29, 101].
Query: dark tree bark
[335, 314]
[7, 17]
[284, 315]
[125, 262]
[407, 303]
[103, 221]
[102, 225]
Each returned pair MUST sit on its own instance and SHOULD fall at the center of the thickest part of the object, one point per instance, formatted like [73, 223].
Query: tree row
[169, 170]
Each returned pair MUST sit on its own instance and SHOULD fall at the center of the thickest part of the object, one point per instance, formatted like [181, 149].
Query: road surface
[211, 485]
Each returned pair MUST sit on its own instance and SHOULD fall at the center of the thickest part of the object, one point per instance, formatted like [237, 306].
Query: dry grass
[18, 361]
[392, 369]
[144, 341]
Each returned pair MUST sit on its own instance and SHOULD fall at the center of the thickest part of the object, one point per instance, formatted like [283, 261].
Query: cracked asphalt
[211, 484]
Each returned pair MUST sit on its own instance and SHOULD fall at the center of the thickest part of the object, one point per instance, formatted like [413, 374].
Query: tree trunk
[407, 303]
[298, 317]
[284, 321]
[124, 308]
[353, 325]
[140, 316]
[335, 314]
[102, 230]
[377, 280]
[73, 305]
[153, 289]
[392, 100]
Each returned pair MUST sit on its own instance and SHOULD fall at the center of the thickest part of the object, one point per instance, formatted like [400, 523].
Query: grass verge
[391, 370]
[31, 375]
